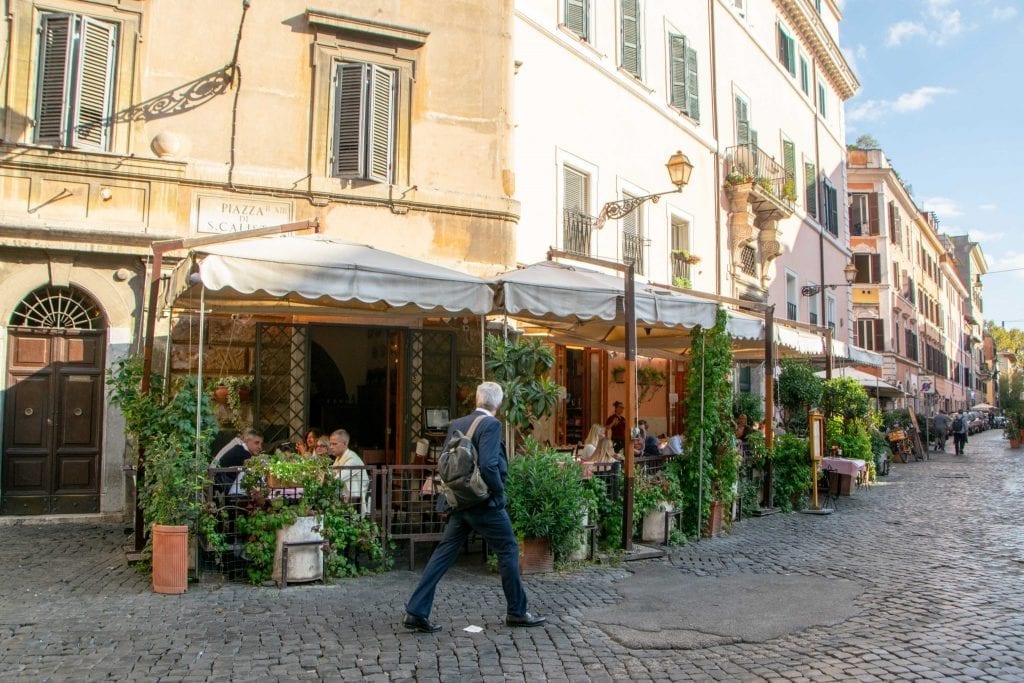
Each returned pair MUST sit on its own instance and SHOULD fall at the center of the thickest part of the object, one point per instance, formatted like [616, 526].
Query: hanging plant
[685, 256]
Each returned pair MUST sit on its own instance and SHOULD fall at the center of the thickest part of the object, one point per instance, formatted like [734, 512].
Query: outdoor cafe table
[847, 469]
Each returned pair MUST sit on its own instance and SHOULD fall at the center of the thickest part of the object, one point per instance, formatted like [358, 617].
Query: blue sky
[942, 90]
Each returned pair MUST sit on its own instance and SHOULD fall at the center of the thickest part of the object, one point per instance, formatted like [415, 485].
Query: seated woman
[594, 437]
[602, 455]
[307, 445]
[320, 450]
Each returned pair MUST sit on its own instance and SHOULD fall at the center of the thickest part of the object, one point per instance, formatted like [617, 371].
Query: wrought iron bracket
[814, 290]
[624, 207]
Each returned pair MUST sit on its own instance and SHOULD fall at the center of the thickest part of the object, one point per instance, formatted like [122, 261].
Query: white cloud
[943, 206]
[901, 30]
[873, 110]
[983, 236]
[1004, 13]
[987, 207]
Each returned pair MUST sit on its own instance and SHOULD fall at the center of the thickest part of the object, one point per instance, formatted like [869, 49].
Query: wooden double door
[53, 411]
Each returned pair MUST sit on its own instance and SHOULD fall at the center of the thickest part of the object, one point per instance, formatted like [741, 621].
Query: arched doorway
[53, 405]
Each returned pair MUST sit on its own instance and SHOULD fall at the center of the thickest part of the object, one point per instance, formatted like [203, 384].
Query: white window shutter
[53, 91]
[574, 191]
[95, 85]
[381, 124]
[349, 118]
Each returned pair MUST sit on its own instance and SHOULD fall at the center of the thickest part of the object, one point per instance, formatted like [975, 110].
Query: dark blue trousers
[495, 527]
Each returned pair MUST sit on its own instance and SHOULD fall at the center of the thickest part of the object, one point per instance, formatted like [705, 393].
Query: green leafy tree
[521, 367]
[845, 398]
[799, 389]
[709, 426]
[1011, 340]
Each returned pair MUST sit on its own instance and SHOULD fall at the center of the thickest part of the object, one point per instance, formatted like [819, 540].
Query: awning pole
[199, 366]
[700, 455]
[769, 402]
[629, 306]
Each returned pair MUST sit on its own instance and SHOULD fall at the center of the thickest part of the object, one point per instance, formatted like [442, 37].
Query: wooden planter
[170, 559]
[536, 556]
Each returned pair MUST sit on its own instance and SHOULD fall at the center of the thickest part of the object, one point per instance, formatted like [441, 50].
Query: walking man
[959, 433]
[941, 422]
[488, 518]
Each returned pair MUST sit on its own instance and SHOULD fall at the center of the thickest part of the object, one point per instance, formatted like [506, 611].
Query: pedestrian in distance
[959, 433]
[942, 424]
[488, 518]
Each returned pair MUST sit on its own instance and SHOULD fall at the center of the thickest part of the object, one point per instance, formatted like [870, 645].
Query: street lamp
[679, 170]
[850, 272]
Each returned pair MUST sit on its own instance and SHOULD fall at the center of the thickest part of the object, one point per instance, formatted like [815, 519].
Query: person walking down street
[489, 519]
[959, 433]
[616, 425]
[942, 423]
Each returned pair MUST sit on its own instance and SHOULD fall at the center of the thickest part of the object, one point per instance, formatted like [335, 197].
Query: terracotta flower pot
[170, 559]
[220, 394]
[714, 526]
[536, 556]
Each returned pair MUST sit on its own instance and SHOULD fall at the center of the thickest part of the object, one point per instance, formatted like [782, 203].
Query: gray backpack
[459, 470]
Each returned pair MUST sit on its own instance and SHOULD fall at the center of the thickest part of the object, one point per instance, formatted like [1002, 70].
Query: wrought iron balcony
[577, 230]
[680, 268]
[751, 164]
[633, 250]
[791, 311]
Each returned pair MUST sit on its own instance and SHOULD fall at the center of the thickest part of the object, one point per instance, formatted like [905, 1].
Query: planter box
[536, 556]
[305, 563]
[714, 526]
[170, 559]
[653, 530]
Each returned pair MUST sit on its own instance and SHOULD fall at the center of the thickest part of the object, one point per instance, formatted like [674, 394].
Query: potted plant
[176, 454]
[685, 256]
[682, 282]
[654, 496]
[619, 374]
[736, 177]
[521, 367]
[233, 391]
[544, 491]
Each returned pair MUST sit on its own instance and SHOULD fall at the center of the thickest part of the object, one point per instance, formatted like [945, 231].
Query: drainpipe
[716, 191]
[159, 249]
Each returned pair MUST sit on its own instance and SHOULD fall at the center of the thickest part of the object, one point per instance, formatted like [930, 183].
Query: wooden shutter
[630, 21]
[576, 17]
[787, 50]
[873, 227]
[832, 206]
[381, 120]
[574, 194]
[692, 93]
[349, 119]
[95, 83]
[805, 81]
[677, 71]
[811, 192]
[53, 91]
[789, 161]
[876, 268]
[879, 336]
[742, 122]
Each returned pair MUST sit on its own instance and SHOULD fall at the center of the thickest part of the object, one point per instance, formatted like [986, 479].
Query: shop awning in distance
[316, 275]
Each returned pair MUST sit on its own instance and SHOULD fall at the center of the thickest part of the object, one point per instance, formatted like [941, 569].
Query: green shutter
[53, 89]
[380, 152]
[677, 71]
[789, 160]
[811, 193]
[577, 17]
[787, 50]
[805, 77]
[95, 83]
[832, 217]
[349, 119]
[692, 93]
[742, 122]
[630, 21]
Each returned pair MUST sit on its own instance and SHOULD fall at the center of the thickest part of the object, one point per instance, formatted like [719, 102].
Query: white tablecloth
[844, 465]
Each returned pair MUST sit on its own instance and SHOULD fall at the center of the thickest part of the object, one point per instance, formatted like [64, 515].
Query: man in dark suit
[252, 444]
[488, 518]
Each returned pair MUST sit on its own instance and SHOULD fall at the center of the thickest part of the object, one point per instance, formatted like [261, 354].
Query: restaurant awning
[316, 274]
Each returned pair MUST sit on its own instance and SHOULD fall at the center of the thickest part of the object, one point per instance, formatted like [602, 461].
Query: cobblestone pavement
[936, 549]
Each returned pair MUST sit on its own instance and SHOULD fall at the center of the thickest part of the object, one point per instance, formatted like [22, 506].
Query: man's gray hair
[489, 395]
[342, 435]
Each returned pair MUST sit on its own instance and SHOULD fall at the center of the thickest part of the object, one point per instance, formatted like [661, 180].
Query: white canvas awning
[315, 274]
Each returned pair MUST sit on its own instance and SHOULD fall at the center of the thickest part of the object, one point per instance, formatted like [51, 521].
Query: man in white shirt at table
[355, 482]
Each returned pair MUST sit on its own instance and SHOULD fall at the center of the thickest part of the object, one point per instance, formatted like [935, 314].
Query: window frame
[375, 81]
[683, 75]
[786, 51]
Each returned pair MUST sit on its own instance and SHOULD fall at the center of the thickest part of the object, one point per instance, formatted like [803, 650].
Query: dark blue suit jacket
[490, 450]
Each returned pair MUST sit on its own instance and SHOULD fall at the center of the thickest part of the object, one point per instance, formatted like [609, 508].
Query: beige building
[129, 122]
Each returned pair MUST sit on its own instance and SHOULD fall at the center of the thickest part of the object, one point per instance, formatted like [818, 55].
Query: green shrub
[791, 471]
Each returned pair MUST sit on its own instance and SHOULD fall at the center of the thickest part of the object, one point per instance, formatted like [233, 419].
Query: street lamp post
[850, 273]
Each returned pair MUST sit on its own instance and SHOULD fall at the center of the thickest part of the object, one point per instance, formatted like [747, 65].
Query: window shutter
[742, 123]
[805, 81]
[382, 124]
[876, 268]
[879, 336]
[54, 71]
[574, 197]
[677, 71]
[863, 263]
[631, 36]
[692, 94]
[811, 191]
[833, 209]
[576, 19]
[95, 82]
[873, 227]
[350, 114]
[789, 161]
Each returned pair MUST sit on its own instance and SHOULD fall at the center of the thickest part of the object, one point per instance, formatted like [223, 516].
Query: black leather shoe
[419, 624]
[524, 620]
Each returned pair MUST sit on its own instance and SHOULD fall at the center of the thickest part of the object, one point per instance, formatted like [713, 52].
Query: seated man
[355, 482]
[650, 442]
[228, 482]
[674, 446]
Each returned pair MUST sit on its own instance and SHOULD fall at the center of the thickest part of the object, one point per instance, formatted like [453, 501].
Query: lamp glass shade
[679, 169]
[850, 271]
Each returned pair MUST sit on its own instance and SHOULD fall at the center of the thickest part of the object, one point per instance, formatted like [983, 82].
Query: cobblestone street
[918, 577]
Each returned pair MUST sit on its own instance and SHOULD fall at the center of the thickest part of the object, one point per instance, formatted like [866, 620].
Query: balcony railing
[791, 311]
[680, 269]
[751, 164]
[633, 250]
[577, 229]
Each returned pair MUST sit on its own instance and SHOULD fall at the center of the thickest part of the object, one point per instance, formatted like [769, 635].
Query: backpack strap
[472, 427]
